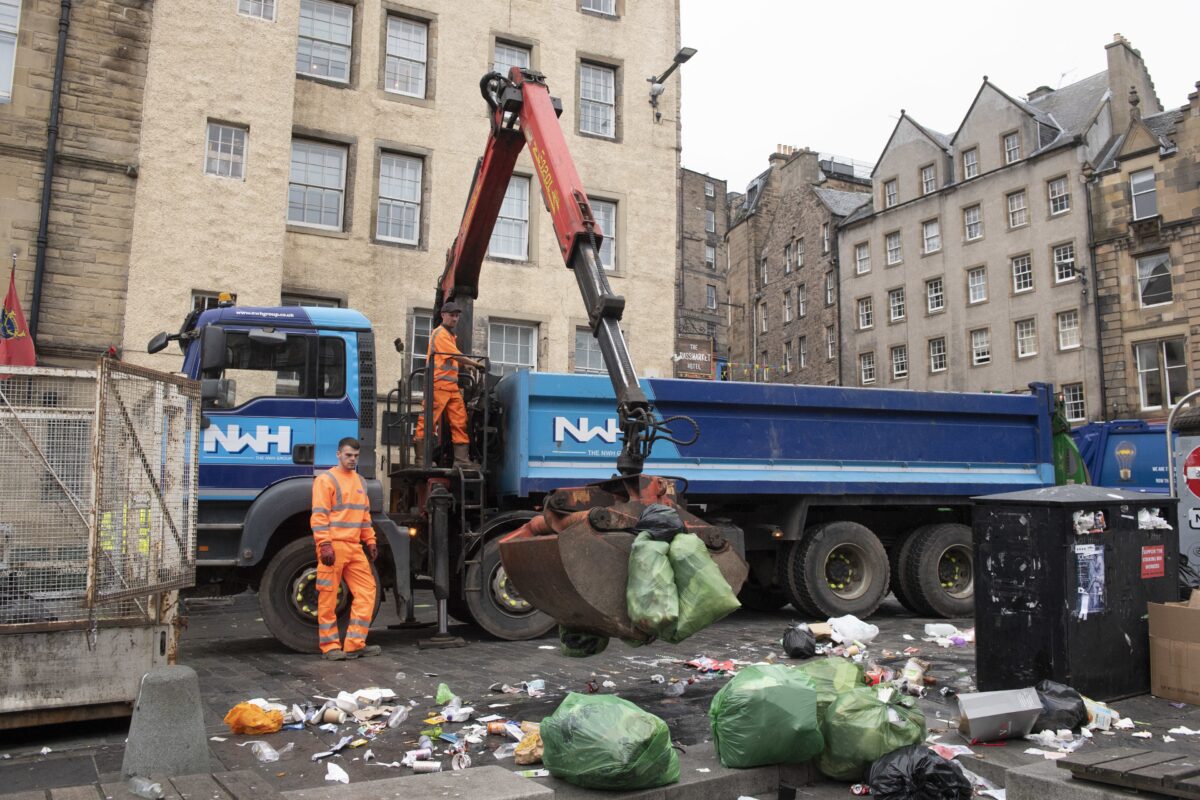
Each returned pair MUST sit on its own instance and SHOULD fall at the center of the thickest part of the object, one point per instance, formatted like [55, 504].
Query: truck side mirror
[158, 343]
[212, 348]
[217, 392]
[268, 337]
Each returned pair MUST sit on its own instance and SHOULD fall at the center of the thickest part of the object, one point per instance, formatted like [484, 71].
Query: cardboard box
[989, 716]
[1175, 650]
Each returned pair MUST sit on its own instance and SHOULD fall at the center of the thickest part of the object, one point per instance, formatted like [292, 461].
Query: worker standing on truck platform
[444, 358]
[341, 525]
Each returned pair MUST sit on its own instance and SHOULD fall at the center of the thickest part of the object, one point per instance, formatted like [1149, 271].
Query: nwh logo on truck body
[585, 432]
[233, 440]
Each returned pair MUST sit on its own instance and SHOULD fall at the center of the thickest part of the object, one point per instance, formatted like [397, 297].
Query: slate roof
[841, 203]
[1072, 107]
[754, 192]
[862, 212]
[1162, 125]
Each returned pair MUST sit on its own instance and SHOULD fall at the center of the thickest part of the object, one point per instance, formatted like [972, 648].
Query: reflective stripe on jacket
[445, 367]
[341, 510]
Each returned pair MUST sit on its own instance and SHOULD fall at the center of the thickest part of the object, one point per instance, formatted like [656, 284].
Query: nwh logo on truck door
[584, 432]
[233, 440]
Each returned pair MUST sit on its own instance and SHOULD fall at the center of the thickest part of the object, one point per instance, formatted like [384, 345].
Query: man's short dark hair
[349, 441]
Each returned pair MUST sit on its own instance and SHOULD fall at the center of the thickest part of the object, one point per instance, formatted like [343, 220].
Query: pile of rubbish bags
[766, 715]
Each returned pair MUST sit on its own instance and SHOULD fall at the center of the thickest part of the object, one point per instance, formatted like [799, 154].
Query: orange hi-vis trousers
[350, 564]
[449, 402]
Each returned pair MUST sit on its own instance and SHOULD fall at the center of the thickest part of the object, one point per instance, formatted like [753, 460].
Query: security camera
[656, 89]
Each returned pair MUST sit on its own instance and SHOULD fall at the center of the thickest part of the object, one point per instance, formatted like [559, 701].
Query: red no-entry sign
[1191, 472]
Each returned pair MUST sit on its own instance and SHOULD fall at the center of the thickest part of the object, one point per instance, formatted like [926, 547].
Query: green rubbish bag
[650, 595]
[602, 741]
[767, 714]
[830, 677]
[577, 644]
[865, 724]
[704, 595]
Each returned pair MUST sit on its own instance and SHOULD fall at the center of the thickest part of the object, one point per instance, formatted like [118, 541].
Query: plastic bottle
[145, 788]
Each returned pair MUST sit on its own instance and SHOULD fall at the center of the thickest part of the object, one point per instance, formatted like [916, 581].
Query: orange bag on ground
[249, 718]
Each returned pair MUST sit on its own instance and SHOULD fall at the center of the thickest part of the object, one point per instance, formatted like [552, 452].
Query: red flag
[16, 345]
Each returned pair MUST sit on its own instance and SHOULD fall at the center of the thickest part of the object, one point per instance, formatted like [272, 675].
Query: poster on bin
[693, 358]
[1089, 566]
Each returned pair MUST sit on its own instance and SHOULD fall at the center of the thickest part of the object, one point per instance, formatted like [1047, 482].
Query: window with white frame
[710, 296]
[1017, 212]
[892, 242]
[830, 342]
[896, 304]
[1060, 195]
[10, 20]
[829, 287]
[710, 221]
[1012, 147]
[787, 258]
[588, 358]
[801, 301]
[608, 7]
[890, 194]
[710, 256]
[866, 313]
[510, 237]
[512, 346]
[799, 253]
[605, 212]
[317, 184]
[1064, 263]
[225, 153]
[788, 355]
[1068, 329]
[262, 9]
[977, 284]
[802, 350]
[1162, 372]
[1026, 336]
[708, 189]
[1145, 199]
[203, 301]
[787, 305]
[1022, 273]
[407, 54]
[899, 362]
[970, 163]
[928, 179]
[981, 347]
[931, 235]
[1154, 280]
[824, 237]
[937, 354]
[323, 47]
[308, 300]
[862, 258]
[762, 316]
[1074, 407]
[973, 223]
[763, 274]
[505, 56]
[935, 295]
[422, 327]
[399, 213]
[866, 368]
[597, 100]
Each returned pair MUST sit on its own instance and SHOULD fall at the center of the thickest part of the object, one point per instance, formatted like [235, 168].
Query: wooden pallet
[1173, 774]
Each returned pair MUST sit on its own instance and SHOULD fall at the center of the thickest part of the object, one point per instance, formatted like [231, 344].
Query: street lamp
[657, 81]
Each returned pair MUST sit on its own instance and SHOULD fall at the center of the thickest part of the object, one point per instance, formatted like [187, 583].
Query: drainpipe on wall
[1090, 179]
[39, 270]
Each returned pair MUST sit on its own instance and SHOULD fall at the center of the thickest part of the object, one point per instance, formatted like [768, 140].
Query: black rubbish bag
[577, 644]
[1062, 707]
[799, 642]
[916, 771]
[660, 521]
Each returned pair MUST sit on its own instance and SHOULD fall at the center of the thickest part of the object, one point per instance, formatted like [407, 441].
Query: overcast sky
[834, 76]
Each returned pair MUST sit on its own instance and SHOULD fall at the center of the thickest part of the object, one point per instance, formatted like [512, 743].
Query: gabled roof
[1042, 117]
[862, 212]
[841, 203]
[1074, 107]
[754, 192]
[939, 139]
[1149, 132]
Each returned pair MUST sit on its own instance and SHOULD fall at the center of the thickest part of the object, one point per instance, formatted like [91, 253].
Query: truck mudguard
[272, 508]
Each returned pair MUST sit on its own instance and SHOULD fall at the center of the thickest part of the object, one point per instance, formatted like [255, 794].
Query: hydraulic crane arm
[523, 112]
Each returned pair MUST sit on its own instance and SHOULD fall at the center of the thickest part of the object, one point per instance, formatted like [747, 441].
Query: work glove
[372, 551]
[325, 553]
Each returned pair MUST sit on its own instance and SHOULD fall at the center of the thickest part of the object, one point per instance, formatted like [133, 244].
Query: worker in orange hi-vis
[444, 359]
[341, 525]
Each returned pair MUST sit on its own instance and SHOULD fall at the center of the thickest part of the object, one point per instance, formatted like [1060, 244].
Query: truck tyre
[941, 570]
[494, 602]
[838, 568]
[287, 597]
[897, 554]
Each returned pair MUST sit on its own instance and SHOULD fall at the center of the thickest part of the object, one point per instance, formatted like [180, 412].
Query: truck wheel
[838, 568]
[941, 570]
[897, 554]
[495, 604]
[287, 597]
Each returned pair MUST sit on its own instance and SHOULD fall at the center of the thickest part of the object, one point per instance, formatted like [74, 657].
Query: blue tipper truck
[835, 495]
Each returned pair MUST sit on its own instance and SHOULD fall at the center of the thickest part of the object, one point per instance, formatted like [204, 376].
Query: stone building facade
[701, 289]
[970, 270]
[333, 167]
[80, 311]
[1146, 207]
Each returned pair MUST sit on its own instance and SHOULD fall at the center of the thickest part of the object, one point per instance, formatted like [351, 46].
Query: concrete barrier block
[166, 735]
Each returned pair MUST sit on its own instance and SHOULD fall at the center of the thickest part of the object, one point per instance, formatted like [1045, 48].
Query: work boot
[462, 457]
[418, 459]
[368, 650]
[335, 655]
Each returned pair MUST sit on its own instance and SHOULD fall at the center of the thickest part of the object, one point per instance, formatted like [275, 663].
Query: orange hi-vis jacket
[445, 368]
[341, 510]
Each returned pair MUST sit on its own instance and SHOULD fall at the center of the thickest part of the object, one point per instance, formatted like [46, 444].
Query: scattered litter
[908, 637]
[656, 678]
[397, 717]
[505, 751]
[1123, 724]
[490, 718]
[444, 695]
[675, 689]
[850, 629]
[1182, 731]
[335, 773]
[249, 717]
[609, 685]
[345, 740]
[211, 739]
[706, 664]
[799, 642]
[267, 754]
[547, 647]
[534, 773]
[45, 751]
[940, 630]
[952, 751]
[145, 788]
[703, 769]
[400, 676]
[1168, 739]
[1179, 705]
[391, 764]
[1033, 751]
[1143, 735]
[368, 756]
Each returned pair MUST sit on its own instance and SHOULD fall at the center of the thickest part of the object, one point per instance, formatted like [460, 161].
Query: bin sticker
[1154, 561]
[1088, 522]
[1191, 471]
[1089, 580]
